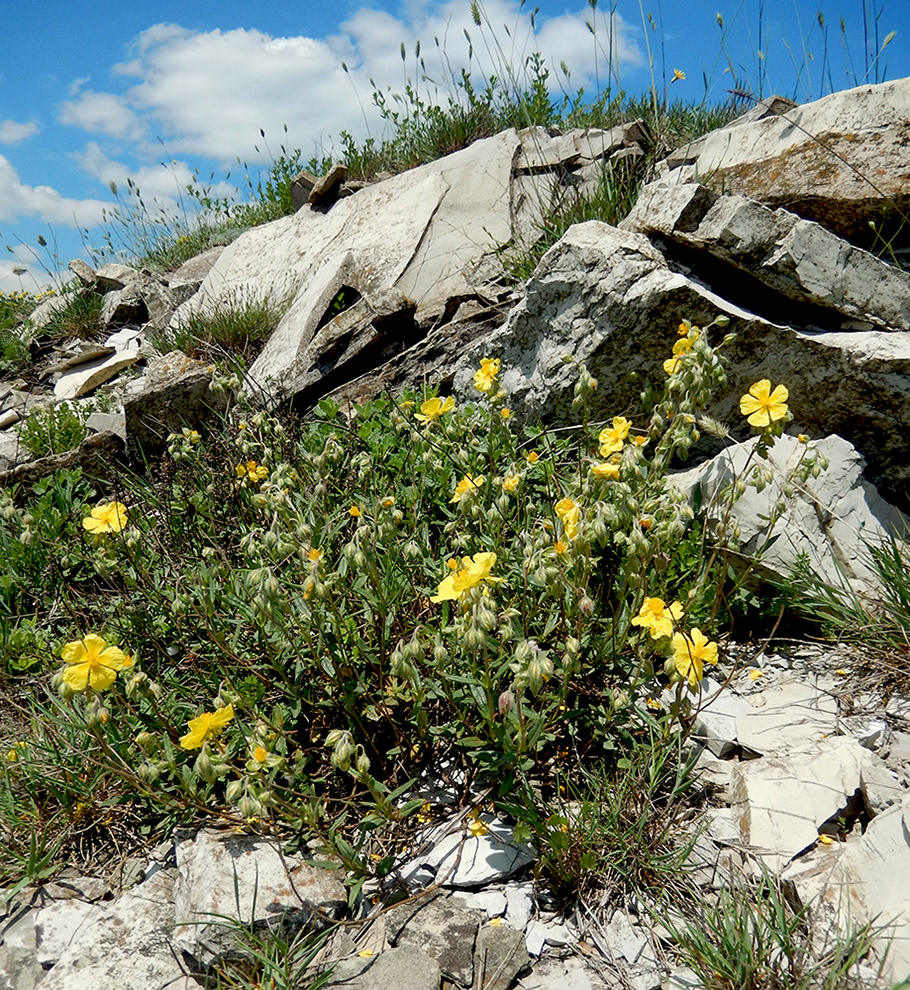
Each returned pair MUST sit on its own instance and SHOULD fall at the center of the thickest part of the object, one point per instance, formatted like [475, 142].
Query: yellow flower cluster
[251, 472]
[690, 651]
[486, 374]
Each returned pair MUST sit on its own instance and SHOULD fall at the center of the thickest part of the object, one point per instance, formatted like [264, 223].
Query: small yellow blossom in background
[657, 617]
[474, 571]
[684, 328]
[206, 726]
[92, 663]
[533, 457]
[433, 408]
[485, 376]
[354, 511]
[510, 483]
[387, 502]
[653, 704]
[841, 672]
[678, 74]
[646, 522]
[409, 404]
[467, 486]
[691, 653]
[108, 518]
[826, 840]
[425, 815]
[802, 438]
[15, 750]
[606, 469]
[570, 515]
[682, 346]
[559, 547]
[505, 413]
[611, 438]
[314, 555]
[261, 759]
[762, 406]
[365, 953]
[495, 922]
[755, 673]
[452, 564]
[639, 441]
[251, 471]
[476, 826]
[243, 425]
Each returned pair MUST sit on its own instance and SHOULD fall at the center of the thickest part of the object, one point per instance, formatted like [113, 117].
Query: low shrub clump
[297, 624]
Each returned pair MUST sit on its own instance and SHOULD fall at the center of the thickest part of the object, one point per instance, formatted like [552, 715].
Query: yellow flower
[611, 438]
[314, 554]
[485, 376]
[802, 438]
[15, 750]
[678, 74]
[92, 663]
[505, 412]
[206, 726]
[387, 502]
[606, 469]
[755, 673]
[691, 653]
[251, 471]
[570, 515]
[261, 759]
[533, 457]
[434, 408]
[762, 406]
[354, 511]
[657, 617]
[467, 486]
[682, 346]
[476, 825]
[559, 547]
[109, 518]
[474, 571]
[510, 483]
[452, 564]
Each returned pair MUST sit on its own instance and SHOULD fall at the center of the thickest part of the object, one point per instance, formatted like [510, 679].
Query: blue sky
[91, 94]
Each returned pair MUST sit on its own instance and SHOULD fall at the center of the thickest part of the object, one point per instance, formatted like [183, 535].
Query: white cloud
[162, 186]
[210, 93]
[12, 132]
[18, 200]
[102, 113]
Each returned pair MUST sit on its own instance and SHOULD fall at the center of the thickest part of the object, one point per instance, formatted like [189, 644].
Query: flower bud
[233, 791]
[474, 638]
[249, 807]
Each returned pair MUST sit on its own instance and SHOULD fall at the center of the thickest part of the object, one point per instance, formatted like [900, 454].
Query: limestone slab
[780, 801]
[89, 376]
